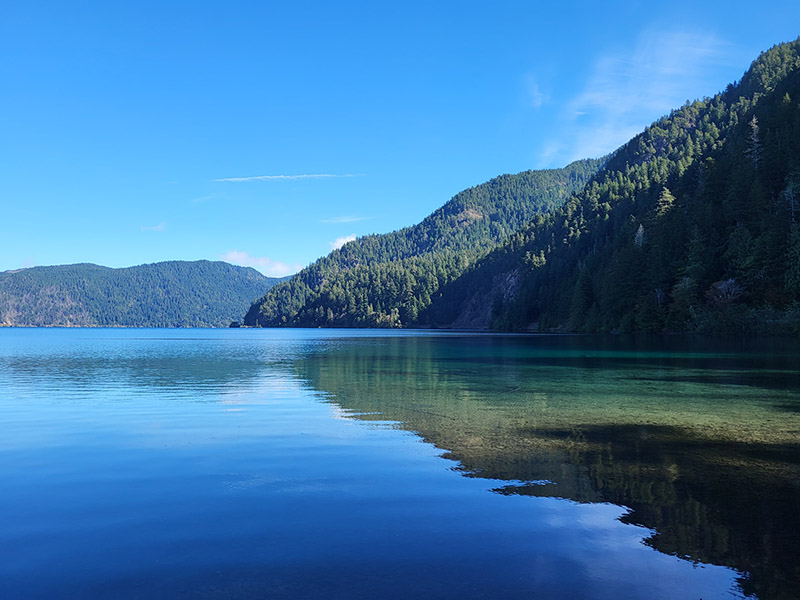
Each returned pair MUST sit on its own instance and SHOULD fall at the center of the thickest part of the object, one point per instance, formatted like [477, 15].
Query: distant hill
[387, 280]
[693, 225]
[166, 294]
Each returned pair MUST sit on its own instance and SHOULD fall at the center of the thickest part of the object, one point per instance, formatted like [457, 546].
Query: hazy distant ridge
[166, 294]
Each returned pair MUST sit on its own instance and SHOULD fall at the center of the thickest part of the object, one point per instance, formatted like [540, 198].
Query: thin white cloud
[202, 199]
[344, 219]
[341, 241]
[267, 266]
[160, 227]
[627, 91]
[287, 177]
[535, 95]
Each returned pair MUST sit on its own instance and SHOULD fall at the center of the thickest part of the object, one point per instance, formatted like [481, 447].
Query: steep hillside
[386, 280]
[166, 294]
[693, 225]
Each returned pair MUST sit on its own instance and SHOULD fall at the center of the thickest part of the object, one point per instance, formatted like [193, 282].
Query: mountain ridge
[691, 226]
[165, 294]
[385, 280]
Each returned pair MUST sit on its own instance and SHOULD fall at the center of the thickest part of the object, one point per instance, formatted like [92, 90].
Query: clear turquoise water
[347, 464]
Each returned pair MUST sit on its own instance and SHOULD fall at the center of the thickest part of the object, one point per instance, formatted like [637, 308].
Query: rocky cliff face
[476, 311]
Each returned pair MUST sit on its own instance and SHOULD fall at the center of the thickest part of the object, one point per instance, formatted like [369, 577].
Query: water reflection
[128, 437]
[196, 365]
[701, 443]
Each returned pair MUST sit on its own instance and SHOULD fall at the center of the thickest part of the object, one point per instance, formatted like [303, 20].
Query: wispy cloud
[288, 177]
[267, 266]
[344, 219]
[627, 91]
[206, 198]
[160, 227]
[341, 241]
[535, 95]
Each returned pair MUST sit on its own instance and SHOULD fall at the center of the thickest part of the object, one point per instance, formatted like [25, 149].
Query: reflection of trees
[716, 497]
[723, 503]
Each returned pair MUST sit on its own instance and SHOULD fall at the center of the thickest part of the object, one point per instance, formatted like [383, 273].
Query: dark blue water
[330, 464]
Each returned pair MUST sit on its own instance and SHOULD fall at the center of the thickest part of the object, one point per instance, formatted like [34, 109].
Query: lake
[243, 463]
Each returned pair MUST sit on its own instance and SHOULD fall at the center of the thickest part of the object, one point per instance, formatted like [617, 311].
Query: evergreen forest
[693, 225]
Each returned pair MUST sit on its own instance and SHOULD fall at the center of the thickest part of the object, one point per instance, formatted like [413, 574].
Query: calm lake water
[363, 464]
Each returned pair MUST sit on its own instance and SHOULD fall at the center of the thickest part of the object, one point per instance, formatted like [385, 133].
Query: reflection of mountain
[700, 455]
[170, 372]
[175, 367]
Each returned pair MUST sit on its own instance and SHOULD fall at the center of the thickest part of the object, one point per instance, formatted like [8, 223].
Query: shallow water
[352, 464]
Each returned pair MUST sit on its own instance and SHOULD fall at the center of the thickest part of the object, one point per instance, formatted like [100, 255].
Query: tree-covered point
[693, 225]
[167, 294]
[387, 280]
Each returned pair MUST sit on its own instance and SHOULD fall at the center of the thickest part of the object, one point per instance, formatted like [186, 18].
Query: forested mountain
[387, 280]
[166, 294]
[693, 225]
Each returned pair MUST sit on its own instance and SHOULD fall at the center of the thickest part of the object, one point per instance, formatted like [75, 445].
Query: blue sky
[264, 133]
